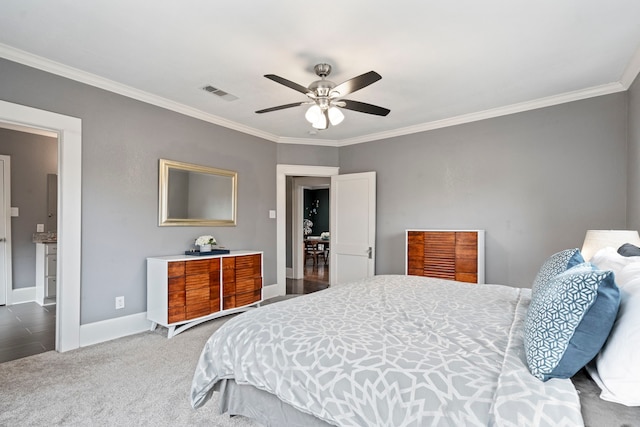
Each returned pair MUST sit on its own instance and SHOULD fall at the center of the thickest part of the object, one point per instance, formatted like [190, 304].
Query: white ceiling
[442, 62]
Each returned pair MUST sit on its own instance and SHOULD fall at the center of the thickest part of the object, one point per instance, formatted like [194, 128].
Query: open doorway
[29, 245]
[308, 235]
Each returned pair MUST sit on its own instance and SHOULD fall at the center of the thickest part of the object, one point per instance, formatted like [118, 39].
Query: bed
[390, 350]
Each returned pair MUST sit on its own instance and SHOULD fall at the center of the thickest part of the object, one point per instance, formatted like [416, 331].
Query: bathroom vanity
[46, 268]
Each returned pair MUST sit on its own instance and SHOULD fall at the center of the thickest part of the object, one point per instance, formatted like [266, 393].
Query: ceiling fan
[326, 97]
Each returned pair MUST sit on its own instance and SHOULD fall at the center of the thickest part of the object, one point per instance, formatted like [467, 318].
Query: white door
[353, 226]
[5, 228]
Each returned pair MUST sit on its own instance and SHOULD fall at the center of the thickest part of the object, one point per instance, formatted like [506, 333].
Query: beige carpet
[144, 380]
[139, 380]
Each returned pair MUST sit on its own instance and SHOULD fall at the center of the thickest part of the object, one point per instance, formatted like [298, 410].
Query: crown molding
[491, 113]
[25, 58]
[309, 141]
[35, 61]
[632, 70]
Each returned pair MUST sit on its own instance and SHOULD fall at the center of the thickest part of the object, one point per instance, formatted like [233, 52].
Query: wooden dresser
[183, 290]
[446, 254]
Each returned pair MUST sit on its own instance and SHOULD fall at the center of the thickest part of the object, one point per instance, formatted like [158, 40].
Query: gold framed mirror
[194, 195]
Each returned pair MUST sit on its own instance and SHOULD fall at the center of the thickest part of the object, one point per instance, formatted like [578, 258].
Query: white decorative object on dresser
[184, 291]
[46, 270]
[446, 254]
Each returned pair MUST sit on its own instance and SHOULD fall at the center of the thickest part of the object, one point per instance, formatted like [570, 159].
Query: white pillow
[608, 259]
[628, 273]
[616, 369]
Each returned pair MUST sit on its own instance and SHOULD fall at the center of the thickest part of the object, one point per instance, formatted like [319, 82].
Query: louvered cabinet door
[450, 254]
[197, 288]
[177, 293]
[248, 279]
[229, 282]
[440, 255]
[214, 285]
[466, 256]
[241, 280]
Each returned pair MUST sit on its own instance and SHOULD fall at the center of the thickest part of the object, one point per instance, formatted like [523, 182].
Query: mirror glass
[196, 195]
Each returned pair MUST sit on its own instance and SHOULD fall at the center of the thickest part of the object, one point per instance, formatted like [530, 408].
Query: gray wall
[122, 142]
[535, 181]
[308, 155]
[32, 158]
[633, 201]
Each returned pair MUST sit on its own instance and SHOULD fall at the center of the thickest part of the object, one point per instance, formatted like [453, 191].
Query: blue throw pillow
[554, 265]
[569, 320]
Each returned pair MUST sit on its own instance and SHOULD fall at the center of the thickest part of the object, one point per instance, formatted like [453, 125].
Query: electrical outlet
[119, 303]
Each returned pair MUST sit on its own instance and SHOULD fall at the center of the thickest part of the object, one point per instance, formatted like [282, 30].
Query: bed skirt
[261, 406]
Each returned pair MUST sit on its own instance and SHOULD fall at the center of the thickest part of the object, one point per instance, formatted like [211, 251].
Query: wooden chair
[323, 245]
[311, 250]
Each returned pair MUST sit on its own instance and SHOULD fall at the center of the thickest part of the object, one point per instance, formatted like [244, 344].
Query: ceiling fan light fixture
[325, 97]
[335, 116]
[313, 114]
[321, 122]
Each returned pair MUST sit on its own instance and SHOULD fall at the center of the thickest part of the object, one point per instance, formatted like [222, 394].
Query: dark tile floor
[26, 329]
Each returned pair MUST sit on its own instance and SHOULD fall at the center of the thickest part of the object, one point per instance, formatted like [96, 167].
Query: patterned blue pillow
[569, 321]
[554, 265]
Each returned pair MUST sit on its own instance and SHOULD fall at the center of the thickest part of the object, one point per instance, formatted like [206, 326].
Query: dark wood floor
[315, 278]
[26, 329]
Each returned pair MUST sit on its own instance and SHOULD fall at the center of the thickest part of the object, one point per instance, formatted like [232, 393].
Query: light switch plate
[272, 214]
[14, 211]
[39, 228]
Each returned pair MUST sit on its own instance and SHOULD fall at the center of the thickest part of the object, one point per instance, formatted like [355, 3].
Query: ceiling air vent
[219, 92]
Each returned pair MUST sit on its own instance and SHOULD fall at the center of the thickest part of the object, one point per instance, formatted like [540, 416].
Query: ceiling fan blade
[288, 83]
[356, 83]
[363, 107]
[280, 107]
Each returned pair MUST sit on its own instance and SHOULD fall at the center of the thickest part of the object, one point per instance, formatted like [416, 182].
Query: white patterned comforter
[392, 351]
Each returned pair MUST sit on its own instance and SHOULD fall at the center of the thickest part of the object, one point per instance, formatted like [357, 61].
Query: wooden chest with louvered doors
[183, 290]
[446, 254]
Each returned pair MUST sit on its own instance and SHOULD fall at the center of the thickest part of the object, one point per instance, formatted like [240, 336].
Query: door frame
[69, 131]
[6, 205]
[282, 171]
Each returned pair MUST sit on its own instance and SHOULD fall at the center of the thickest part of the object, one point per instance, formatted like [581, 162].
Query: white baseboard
[22, 295]
[272, 291]
[110, 329]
